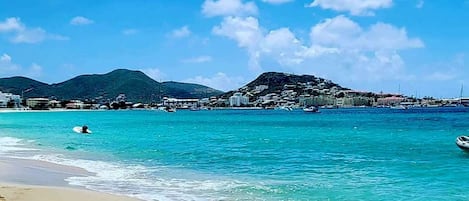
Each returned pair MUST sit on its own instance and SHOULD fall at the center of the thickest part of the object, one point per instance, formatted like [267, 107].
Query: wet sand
[31, 180]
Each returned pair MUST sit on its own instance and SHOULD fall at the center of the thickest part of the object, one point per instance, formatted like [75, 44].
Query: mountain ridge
[137, 86]
[275, 82]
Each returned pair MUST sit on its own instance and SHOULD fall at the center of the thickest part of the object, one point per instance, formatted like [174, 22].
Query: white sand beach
[30, 180]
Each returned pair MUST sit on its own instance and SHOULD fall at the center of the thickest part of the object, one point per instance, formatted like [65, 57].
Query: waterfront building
[204, 101]
[55, 104]
[38, 103]
[75, 104]
[3, 100]
[238, 100]
[9, 98]
[388, 101]
[306, 101]
[180, 103]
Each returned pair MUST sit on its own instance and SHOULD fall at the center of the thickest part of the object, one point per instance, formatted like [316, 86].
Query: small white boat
[311, 109]
[399, 107]
[287, 108]
[463, 143]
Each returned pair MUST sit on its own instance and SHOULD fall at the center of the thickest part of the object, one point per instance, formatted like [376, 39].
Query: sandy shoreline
[15, 192]
[31, 180]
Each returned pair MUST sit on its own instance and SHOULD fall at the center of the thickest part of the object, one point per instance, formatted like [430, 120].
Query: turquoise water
[344, 154]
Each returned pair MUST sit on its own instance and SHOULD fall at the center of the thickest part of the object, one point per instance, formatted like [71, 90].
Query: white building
[75, 104]
[121, 98]
[37, 103]
[180, 103]
[238, 100]
[5, 98]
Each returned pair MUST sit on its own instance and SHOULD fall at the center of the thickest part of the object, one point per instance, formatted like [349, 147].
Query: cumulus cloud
[199, 59]
[30, 36]
[154, 73]
[5, 58]
[19, 33]
[281, 45]
[246, 32]
[181, 32]
[80, 20]
[11, 24]
[9, 68]
[342, 32]
[219, 81]
[212, 8]
[6, 65]
[354, 7]
[338, 48]
[277, 2]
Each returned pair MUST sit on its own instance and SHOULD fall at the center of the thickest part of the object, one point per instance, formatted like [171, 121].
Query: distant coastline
[270, 90]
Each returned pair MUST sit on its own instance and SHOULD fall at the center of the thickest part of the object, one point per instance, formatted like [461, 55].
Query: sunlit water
[345, 154]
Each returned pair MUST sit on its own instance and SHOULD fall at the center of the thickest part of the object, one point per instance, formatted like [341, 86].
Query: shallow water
[342, 154]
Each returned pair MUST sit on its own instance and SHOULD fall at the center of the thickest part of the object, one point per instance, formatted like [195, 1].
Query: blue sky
[369, 45]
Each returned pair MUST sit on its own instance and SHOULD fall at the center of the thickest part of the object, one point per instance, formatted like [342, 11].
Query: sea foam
[11, 145]
[147, 183]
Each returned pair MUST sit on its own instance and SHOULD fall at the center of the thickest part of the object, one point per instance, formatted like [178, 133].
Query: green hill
[188, 90]
[276, 82]
[18, 85]
[137, 87]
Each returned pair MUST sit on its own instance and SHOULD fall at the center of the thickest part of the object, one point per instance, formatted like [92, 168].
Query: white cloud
[11, 24]
[344, 33]
[19, 33]
[355, 7]
[219, 81]
[80, 20]
[5, 58]
[9, 68]
[181, 32]
[338, 48]
[277, 1]
[30, 36]
[129, 31]
[212, 8]
[420, 4]
[34, 70]
[154, 73]
[247, 33]
[199, 59]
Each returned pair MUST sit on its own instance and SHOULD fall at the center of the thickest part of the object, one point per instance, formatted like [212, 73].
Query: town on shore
[292, 96]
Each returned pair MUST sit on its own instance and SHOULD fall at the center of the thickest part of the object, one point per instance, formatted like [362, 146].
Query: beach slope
[38, 193]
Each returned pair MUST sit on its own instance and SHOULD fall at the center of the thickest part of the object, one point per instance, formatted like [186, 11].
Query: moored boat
[311, 109]
[463, 143]
[399, 107]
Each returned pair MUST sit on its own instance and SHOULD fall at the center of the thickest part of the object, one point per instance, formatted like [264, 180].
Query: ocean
[338, 154]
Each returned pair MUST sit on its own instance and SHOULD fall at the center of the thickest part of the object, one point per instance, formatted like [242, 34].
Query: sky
[415, 47]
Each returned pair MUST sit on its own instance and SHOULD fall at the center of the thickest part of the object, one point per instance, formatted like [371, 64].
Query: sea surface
[338, 154]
